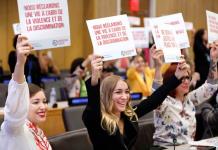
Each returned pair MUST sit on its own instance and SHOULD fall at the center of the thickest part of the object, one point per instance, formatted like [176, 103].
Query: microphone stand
[174, 142]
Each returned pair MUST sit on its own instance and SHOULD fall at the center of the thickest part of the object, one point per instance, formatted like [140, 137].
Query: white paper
[166, 39]
[189, 26]
[134, 20]
[206, 142]
[212, 26]
[16, 28]
[45, 23]
[111, 37]
[177, 21]
[147, 23]
[141, 37]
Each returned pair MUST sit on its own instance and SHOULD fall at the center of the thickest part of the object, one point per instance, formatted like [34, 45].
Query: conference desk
[189, 147]
[53, 125]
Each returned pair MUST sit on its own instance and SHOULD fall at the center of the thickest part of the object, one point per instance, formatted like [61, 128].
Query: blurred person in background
[201, 55]
[32, 67]
[48, 67]
[75, 84]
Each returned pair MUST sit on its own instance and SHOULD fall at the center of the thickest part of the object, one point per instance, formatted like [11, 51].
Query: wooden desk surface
[54, 123]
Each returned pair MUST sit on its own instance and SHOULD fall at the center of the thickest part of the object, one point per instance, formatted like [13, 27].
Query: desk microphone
[174, 142]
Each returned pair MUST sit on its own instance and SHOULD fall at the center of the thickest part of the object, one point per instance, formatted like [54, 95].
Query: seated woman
[140, 76]
[25, 108]
[174, 120]
[111, 121]
[75, 83]
[47, 64]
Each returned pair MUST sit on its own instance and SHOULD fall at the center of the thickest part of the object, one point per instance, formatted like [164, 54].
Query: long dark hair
[76, 62]
[198, 44]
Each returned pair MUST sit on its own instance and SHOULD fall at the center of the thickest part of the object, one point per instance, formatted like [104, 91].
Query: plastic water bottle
[53, 98]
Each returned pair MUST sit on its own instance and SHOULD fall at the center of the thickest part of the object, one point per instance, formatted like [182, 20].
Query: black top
[202, 62]
[92, 117]
[32, 67]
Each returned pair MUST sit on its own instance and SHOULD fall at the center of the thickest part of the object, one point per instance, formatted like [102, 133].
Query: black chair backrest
[145, 135]
[73, 140]
[72, 117]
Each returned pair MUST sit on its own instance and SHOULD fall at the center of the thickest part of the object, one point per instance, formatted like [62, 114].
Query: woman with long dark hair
[201, 55]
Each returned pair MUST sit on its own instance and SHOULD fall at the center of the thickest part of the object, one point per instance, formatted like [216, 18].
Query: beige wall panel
[79, 12]
[67, 54]
[3, 31]
[193, 10]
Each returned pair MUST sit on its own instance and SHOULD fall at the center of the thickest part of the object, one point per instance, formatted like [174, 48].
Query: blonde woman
[25, 108]
[111, 121]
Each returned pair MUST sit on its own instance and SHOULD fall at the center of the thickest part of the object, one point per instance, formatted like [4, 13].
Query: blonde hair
[109, 120]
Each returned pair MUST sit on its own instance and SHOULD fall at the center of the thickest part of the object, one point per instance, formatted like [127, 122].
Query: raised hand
[182, 69]
[23, 49]
[157, 56]
[213, 76]
[97, 66]
[214, 52]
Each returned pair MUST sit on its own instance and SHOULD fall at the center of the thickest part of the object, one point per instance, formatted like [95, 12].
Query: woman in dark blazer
[111, 121]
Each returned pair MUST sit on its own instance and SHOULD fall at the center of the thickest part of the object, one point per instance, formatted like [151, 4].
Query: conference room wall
[81, 10]
[192, 10]
[62, 56]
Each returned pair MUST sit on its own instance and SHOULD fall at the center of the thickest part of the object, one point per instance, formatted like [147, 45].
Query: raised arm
[93, 85]
[17, 103]
[205, 91]
[155, 100]
[213, 76]
[157, 56]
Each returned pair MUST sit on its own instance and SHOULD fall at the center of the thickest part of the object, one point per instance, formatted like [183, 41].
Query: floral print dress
[175, 121]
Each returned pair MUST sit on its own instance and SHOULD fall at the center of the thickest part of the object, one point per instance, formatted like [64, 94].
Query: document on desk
[206, 142]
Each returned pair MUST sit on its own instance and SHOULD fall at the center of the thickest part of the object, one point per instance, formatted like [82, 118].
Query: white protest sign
[111, 37]
[205, 142]
[212, 26]
[141, 37]
[147, 23]
[166, 39]
[45, 23]
[16, 28]
[189, 25]
[176, 20]
[134, 20]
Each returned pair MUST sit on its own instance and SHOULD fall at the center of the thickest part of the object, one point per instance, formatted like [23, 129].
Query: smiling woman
[111, 121]
[175, 120]
[25, 107]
